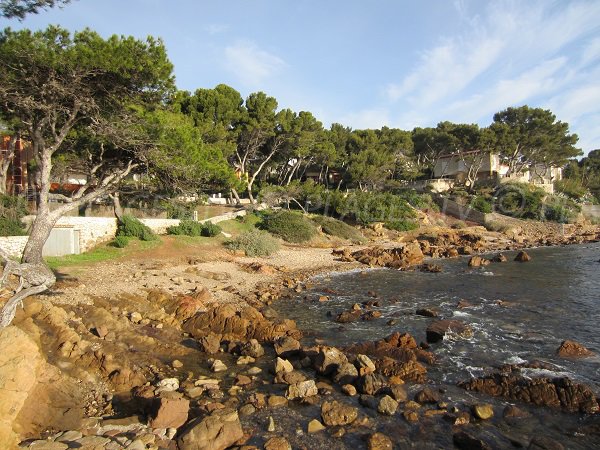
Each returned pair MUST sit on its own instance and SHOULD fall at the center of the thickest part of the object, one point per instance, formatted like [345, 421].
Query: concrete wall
[591, 211]
[90, 232]
[13, 245]
[459, 211]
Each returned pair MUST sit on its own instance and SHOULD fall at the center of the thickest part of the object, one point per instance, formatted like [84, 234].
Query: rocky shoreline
[167, 371]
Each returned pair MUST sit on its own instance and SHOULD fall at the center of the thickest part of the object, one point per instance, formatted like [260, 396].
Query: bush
[192, 228]
[186, 228]
[571, 188]
[132, 227]
[459, 225]
[481, 204]
[401, 225]
[369, 207]
[210, 229]
[290, 226]
[520, 200]
[12, 210]
[417, 200]
[254, 243]
[560, 209]
[120, 241]
[334, 227]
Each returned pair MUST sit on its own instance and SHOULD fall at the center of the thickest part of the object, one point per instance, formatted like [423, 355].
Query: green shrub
[193, 228]
[186, 228]
[571, 188]
[416, 199]
[334, 227]
[401, 225]
[369, 207]
[11, 227]
[12, 210]
[560, 209]
[210, 229]
[120, 241]
[482, 204]
[459, 225]
[132, 227]
[290, 226]
[521, 200]
[254, 243]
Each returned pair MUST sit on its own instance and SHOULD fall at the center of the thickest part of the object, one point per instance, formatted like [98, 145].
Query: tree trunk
[252, 201]
[236, 196]
[118, 210]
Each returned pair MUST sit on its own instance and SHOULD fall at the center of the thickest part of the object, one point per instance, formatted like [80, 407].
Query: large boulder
[572, 349]
[235, 324]
[437, 330]
[215, 432]
[20, 365]
[553, 392]
[168, 413]
[335, 413]
[328, 359]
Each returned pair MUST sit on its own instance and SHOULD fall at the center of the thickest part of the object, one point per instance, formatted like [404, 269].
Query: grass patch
[240, 224]
[254, 243]
[290, 226]
[334, 227]
[105, 252]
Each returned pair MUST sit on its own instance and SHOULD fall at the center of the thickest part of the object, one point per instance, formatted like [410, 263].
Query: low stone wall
[159, 226]
[459, 211]
[97, 230]
[92, 230]
[591, 211]
[13, 245]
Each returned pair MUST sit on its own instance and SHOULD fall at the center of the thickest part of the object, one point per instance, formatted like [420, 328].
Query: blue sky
[366, 64]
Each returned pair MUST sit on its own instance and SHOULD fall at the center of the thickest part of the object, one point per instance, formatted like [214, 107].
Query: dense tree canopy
[527, 136]
[20, 8]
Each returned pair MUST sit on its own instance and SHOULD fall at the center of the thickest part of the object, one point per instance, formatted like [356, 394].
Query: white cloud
[509, 53]
[251, 64]
[216, 28]
[367, 118]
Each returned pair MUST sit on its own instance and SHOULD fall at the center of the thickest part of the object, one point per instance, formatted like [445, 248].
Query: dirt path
[180, 268]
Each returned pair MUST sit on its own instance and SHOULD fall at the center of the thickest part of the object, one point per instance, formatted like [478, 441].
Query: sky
[368, 64]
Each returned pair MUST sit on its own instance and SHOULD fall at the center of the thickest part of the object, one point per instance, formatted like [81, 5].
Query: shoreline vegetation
[178, 344]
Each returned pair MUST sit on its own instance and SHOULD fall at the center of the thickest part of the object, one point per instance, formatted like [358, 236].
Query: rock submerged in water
[478, 261]
[522, 257]
[572, 349]
[553, 392]
[437, 330]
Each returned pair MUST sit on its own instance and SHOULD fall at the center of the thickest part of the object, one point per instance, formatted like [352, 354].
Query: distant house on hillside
[16, 153]
[454, 168]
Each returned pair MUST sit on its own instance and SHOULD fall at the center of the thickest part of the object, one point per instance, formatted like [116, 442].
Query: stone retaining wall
[97, 230]
[13, 245]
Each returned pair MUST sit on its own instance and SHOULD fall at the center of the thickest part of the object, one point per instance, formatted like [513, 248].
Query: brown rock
[387, 405]
[464, 440]
[168, 413]
[427, 395]
[286, 347]
[211, 343]
[371, 384]
[522, 257]
[335, 413]
[427, 312]
[20, 365]
[552, 392]
[277, 443]
[499, 258]
[328, 359]
[348, 316]
[478, 261]
[215, 432]
[483, 411]
[572, 349]
[379, 441]
[302, 390]
[438, 329]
